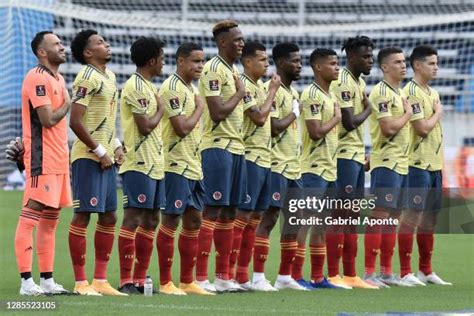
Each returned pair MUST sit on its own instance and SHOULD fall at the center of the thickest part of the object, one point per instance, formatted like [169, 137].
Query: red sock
[372, 241]
[239, 226]
[349, 254]
[298, 263]
[165, 247]
[335, 244]
[405, 247]
[143, 250]
[223, 238]
[77, 249]
[246, 250]
[425, 241]
[187, 245]
[387, 247]
[126, 245]
[318, 254]
[260, 253]
[46, 239]
[204, 248]
[103, 242]
[29, 219]
[288, 252]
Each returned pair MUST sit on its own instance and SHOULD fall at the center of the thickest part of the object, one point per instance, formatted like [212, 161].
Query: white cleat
[30, 288]
[432, 278]
[410, 278]
[227, 286]
[393, 279]
[263, 286]
[289, 284]
[51, 287]
[247, 286]
[372, 279]
[206, 286]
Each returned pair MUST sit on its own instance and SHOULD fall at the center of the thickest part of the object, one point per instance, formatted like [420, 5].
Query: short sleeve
[312, 108]
[83, 90]
[342, 93]
[173, 102]
[248, 100]
[137, 101]
[381, 106]
[38, 89]
[417, 107]
[212, 83]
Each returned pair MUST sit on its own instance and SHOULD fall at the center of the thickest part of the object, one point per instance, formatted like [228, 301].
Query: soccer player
[257, 137]
[93, 115]
[285, 168]
[223, 160]
[45, 103]
[183, 173]
[349, 91]
[143, 168]
[390, 134]
[425, 165]
[321, 115]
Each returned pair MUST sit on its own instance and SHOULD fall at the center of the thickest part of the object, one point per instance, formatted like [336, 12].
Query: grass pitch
[453, 260]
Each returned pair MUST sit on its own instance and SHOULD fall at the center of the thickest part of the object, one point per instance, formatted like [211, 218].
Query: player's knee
[35, 205]
[410, 217]
[107, 218]
[171, 221]
[81, 219]
[228, 213]
[211, 213]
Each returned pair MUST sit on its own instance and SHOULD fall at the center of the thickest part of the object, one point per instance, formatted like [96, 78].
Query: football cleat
[431, 278]
[129, 289]
[170, 289]
[104, 288]
[289, 284]
[357, 282]
[372, 279]
[206, 286]
[410, 278]
[52, 288]
[193, 288]
[30, 288]
[263, 286]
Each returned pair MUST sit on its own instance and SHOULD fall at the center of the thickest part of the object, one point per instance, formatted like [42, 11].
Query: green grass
[453, 260]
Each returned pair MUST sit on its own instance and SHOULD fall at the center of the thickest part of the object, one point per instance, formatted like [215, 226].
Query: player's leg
[241, 220]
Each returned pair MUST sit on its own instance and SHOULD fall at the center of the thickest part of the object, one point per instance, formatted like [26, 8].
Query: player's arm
[390, 125]
[49, 117]
[279, 125]
[424, 126]
[351, 121]
[146, 124]
[219, 110]
[259, 114]
[183, 125]
[318, 130]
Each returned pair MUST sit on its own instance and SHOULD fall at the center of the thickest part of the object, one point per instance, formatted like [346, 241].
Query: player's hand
[106, 162]
[239, 86]
[438, 107]
[407, 107]
[275, 83]
[337, 111]
[15, 150]
[367, 162]
[119, 156]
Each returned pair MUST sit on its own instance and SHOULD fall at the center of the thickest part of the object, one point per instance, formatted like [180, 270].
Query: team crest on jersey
[174, 103]
[217, 195]
[247, 98]
[142, 198]
[178, 203]
[40, 91]
[383, 107]
[81, 92]
[276, 196]
[314, 109]
[416, 108]
[142, 102]
[214, 85]
[93, 201]
[346, 95]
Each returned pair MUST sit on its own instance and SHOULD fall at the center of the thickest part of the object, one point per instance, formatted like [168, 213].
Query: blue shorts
[258, 189]
[141, 191]
[318, 184]
[225, 177]
[94, 190]
[280, 186]
[425, 189]
[182, 193]
[350, 178]
[389, 188]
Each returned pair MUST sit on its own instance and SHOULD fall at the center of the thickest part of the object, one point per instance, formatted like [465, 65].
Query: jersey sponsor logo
[217, 195]
[40, 91]
[383, 107]
[346, 95]
[142, 102]
[93, 201]
[276, 196]
[314, 109]
[416, 108]
[214, 85]
[81, 92]
[178, 203]
[247, 98]
[174, 103]
[141, 198]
